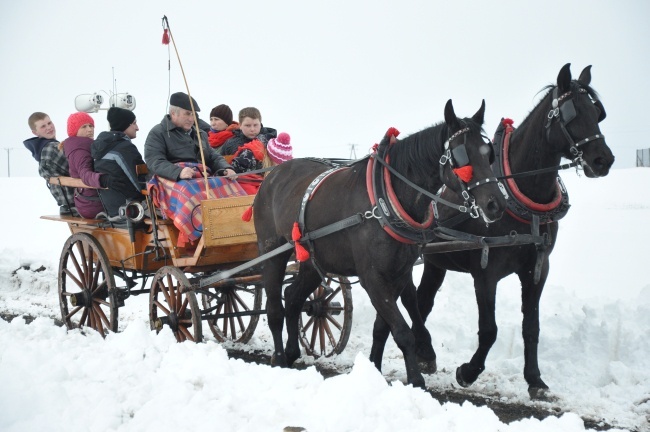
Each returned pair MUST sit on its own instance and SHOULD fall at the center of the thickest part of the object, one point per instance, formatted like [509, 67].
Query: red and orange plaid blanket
[181, 201]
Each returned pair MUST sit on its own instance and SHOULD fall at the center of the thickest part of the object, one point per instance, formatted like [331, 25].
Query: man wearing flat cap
[175, 140]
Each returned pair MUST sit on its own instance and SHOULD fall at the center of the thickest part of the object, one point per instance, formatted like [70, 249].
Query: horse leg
[384, 299]
[424, 348]
[467, 373]
[295, 296]
[432, 278]
[381, 330]
[530, 296]
[272, 277]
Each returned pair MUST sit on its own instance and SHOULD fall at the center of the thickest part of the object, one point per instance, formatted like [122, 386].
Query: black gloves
[110, 182]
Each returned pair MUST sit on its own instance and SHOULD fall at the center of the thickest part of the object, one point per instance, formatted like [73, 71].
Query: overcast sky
[330, 73]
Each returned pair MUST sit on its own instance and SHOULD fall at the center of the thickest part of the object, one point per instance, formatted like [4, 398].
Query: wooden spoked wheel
[172, 303]
[326, 319]
[232, 308]
[87, 294]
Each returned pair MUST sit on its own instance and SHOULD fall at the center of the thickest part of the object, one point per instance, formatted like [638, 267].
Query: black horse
[299, 191]
[563, 124]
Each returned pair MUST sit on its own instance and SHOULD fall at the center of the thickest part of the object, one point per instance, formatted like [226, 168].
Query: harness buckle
[374, 213]
[553, 113]
[445, 157]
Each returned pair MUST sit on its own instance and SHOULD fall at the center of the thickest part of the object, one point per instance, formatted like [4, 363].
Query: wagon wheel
[326, 320]
[234, 299]
[87, 293]
[172, 303]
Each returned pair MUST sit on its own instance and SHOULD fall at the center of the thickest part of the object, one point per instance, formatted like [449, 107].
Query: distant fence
[643, 157]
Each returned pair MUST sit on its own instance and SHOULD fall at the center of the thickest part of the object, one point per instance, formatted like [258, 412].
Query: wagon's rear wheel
[326, 320]
[87, 294]
[231, 306]
[172, 303]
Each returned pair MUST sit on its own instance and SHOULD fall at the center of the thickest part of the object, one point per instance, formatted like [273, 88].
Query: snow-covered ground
[594, 352]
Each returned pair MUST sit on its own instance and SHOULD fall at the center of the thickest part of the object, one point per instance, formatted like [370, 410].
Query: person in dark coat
[51, 160]
[114, 154]
[175, 140]
[250, 128]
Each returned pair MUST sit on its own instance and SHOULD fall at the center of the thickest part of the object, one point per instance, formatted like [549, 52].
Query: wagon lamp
[91, 103]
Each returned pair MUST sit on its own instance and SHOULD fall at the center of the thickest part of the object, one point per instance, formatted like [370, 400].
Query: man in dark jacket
[175, 140]
[115, 154]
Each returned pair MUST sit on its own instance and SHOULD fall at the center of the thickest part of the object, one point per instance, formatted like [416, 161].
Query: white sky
[330, 73]
[593, 352]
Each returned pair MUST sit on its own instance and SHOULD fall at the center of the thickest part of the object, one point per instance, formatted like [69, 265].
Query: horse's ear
[564, 78]
[450, 116]
[585, 76]
[479, 117]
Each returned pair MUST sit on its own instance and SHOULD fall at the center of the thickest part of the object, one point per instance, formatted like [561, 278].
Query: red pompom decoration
[508, 121]
[464, 173]
[165, 38]
[248, 214]
[301, 253]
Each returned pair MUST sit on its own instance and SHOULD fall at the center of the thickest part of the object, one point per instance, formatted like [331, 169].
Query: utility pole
[353, 152]
[8, 169]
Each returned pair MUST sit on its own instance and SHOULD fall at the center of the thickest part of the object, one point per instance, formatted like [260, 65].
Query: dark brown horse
[564, 124]
[369, 248]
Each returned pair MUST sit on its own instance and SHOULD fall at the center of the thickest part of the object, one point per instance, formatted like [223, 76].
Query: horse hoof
[541, 394]
[428, 366]
[459, 378]
[278, 360]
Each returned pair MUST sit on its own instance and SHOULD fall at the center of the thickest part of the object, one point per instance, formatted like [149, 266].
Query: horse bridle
[566, 112]
[458, 158]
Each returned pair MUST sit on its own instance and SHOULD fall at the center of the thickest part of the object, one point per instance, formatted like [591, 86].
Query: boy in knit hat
[51, 161]
[114, 154]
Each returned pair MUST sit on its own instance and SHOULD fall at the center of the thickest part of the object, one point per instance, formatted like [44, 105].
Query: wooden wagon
[103, 264]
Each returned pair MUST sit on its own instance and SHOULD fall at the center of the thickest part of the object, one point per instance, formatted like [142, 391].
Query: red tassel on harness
[248, 214]
[301, 253]
[165, 38]
[392, 133]
[464, 173]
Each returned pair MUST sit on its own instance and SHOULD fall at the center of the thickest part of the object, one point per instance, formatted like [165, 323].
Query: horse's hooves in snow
[459, 378]
[541, 394]
[428, 366]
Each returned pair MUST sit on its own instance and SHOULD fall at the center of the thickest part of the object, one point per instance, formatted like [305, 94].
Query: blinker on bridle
[459, 158]
[565, 113]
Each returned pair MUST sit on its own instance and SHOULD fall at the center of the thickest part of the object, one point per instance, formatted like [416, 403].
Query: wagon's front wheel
[233, 311]
[173, 303]
[87, 294]
[326, 319]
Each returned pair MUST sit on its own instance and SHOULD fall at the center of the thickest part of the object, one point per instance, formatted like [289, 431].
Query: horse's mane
[548, 89]
[418, 155]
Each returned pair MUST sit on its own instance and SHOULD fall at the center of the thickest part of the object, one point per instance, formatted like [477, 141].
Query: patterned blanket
[181, 201]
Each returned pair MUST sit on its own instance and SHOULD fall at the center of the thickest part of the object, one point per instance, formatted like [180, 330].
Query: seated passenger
[114, 154]
[278, 150]
[81, 131]
[51, 160]
[250, 128]
[221, 126]
[173, 157]
[175, 140]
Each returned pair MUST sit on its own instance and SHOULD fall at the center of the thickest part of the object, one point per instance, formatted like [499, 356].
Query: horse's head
[465, 165]
[573, 122]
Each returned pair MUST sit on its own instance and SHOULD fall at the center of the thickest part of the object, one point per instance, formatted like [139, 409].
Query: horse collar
[519, 206]
[391, 215]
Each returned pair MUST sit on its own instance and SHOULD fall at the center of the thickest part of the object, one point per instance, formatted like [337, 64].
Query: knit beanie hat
[279, 149]
[76, 120]
[119, 119]
[223, 112]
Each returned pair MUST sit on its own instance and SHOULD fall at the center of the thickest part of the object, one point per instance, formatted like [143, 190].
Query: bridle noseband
[566, 112]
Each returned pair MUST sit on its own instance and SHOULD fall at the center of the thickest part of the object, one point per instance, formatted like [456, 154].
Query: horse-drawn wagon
[102, 264]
